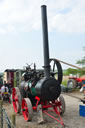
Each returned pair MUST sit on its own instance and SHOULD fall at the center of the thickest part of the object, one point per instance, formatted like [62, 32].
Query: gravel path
[70, 118]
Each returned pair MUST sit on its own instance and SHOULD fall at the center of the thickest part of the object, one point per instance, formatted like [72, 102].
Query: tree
[71, 71]
[82, 61]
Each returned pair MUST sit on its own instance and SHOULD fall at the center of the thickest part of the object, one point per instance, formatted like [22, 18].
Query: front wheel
[60, 104]
[27, 110]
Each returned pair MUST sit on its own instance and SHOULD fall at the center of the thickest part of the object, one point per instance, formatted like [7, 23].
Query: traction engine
[41, 87]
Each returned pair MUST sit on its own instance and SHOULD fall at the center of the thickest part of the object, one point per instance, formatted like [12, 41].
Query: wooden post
[1, 114]
[13, 119]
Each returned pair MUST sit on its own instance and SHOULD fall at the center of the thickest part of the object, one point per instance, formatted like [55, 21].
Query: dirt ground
[70, 118]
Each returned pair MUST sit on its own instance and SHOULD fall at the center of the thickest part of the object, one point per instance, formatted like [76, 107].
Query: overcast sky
[21, 31]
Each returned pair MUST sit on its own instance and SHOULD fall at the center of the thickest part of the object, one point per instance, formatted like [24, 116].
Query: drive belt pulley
[56, 70]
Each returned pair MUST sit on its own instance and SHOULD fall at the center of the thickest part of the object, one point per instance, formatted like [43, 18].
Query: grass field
[65, 80]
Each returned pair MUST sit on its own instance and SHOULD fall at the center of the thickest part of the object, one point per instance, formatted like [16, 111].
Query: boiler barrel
[48, 89]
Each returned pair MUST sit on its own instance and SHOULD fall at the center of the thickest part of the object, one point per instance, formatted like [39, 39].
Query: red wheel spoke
[58, 105]
[26, 108]
[15, 100]
[60, 108]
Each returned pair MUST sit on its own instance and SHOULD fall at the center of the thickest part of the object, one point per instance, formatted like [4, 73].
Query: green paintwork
[33, 91]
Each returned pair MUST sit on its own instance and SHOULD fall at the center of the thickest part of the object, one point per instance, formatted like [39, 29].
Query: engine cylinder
[48, 89]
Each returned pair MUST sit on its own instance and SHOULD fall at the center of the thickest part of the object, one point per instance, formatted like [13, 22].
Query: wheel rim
[56, 70]
[58, 105]
[70, 85]
[25, 111]
[15, 100]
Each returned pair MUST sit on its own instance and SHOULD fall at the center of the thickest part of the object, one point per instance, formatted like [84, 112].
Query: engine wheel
[72, 83]
[60, 104]
[56, 70]
[16, 99]
[27, 110]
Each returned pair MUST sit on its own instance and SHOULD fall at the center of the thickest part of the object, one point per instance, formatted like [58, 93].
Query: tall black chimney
[45, 41]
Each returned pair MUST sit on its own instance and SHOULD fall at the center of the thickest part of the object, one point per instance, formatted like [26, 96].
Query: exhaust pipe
[45, 41]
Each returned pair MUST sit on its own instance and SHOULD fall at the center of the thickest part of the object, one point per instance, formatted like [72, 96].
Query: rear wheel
[72, 83]
[27, 110]
[16, 99]
[60, 105]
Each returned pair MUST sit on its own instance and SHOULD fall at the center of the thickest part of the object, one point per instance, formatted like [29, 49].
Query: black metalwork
[56, 70]
[45, 41]
[41, 83]
[44, 83]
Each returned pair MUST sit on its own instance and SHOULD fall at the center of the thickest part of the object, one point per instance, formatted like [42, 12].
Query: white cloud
[72, 20]
[63, 15]
[2, 31]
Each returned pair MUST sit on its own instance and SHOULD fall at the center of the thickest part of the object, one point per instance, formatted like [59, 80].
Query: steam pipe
[45, 41]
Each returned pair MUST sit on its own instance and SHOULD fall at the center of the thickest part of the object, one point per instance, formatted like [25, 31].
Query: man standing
[4, 91]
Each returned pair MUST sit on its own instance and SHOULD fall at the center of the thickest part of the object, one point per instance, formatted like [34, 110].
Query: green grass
[64, 82]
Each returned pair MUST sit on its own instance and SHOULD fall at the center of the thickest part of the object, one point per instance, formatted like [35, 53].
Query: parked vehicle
[13, 76]
[75, 82]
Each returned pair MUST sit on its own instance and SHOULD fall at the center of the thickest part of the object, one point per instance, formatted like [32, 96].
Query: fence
[5, 122]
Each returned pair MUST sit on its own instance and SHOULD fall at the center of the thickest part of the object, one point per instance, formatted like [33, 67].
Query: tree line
[80, 62]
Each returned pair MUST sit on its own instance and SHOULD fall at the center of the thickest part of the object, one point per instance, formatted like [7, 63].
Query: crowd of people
[5, 90]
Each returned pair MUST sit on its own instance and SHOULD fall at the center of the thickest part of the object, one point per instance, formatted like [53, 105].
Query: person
[4, 91]
[1, 82]
[0, 93]
[83, 87]
[8, 84]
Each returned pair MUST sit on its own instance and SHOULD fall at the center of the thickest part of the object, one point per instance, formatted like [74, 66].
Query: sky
[21, 39]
